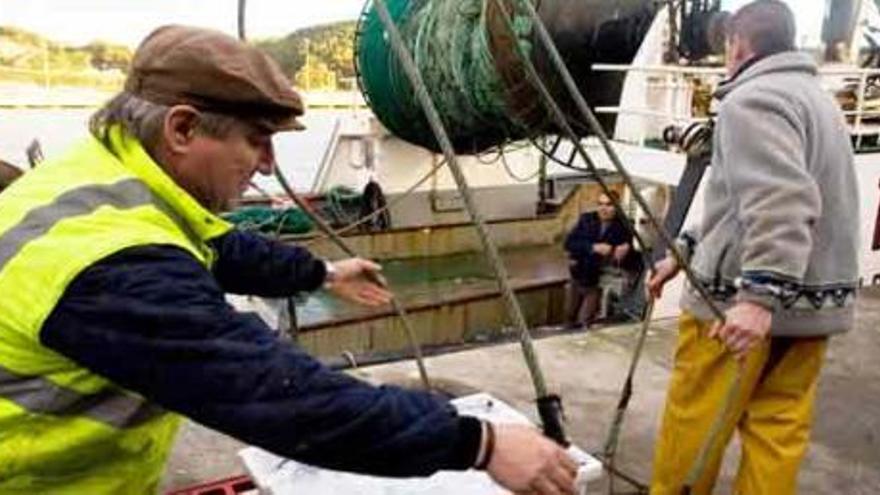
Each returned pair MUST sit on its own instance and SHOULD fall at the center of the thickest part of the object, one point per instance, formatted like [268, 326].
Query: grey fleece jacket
[780, 225]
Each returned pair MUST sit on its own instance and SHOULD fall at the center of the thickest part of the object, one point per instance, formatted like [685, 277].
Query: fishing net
[456, 55]
[472, 58]
[269, 220]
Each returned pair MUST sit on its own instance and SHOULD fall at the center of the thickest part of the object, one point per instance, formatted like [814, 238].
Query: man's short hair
[767, 25]
[143, 120]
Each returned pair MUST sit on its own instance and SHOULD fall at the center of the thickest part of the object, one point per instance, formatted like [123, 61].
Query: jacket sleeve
[778, 201]
[153, 321]
[578, 243]
[623, 235]
[251, 264]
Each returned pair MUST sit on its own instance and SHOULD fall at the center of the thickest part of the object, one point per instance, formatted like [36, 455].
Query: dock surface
[587, 369]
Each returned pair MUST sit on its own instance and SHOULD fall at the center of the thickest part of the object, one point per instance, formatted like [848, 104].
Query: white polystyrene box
[278, 476]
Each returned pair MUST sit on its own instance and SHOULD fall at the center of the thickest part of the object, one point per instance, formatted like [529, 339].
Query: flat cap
[214, 72]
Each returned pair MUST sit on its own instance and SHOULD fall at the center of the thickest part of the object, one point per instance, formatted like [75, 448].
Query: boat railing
[677, 82]
[859, 128]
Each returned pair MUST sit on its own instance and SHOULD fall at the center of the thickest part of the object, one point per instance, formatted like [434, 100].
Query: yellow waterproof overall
[773, 412]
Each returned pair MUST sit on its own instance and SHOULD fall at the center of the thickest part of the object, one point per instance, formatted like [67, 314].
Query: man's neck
[749, 62]
[743, 66]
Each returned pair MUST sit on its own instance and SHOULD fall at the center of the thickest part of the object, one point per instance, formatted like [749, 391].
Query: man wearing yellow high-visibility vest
[113, 323]
[778, 250]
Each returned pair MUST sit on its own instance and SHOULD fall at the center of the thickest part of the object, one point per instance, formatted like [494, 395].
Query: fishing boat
[653, 97]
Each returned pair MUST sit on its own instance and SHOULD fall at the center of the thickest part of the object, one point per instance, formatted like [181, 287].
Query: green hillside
[330, 50]
[315, 58]
[31, 57]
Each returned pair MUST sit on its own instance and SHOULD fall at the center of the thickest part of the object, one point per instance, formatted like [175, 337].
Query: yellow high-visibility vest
[64, 429]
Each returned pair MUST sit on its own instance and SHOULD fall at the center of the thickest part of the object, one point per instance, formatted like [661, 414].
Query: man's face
[606, 209]
[218, 171]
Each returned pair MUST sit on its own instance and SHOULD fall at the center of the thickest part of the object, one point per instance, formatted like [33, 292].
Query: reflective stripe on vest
[128, 193]
[40, 396]
[125, 194]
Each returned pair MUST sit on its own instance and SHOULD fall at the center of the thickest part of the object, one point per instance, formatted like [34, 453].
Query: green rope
[450, 44]
[270, 221]
[344, 202]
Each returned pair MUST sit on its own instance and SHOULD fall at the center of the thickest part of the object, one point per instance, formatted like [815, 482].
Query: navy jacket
[579, 244]
[153, 320]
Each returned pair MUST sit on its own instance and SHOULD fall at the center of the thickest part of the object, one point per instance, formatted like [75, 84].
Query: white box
[275, 475]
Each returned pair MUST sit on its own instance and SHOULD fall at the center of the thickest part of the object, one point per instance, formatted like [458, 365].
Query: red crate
[228, 486]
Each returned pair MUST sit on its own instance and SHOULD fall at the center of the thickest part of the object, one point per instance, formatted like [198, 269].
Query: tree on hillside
[316, 76]
[32, 51]
[329, 47]
[106, 56]
[21, 36]
[30, 57]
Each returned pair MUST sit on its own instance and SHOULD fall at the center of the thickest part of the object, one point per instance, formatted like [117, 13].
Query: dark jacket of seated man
[588, 233]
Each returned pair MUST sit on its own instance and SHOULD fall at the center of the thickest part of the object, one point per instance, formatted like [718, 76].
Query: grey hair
[767, 25]
[143, 120]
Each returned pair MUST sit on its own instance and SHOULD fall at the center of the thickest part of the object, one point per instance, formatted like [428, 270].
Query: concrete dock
[588, 369]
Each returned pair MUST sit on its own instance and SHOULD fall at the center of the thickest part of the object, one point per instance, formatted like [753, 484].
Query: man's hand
[621, 252]
[746, 326]
[358, 280]
[664, 271]
[603, 249]
[526, 462]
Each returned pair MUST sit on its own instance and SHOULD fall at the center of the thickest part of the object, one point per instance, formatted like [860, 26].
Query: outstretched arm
[165, 331]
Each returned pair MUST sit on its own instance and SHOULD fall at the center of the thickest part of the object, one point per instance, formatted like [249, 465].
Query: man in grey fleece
[777, 250]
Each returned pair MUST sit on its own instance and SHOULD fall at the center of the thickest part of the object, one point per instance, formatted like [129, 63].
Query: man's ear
[179, 128]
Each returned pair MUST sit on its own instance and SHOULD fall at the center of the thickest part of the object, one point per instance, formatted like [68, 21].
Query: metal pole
[549, 407]
[293, 323]
[242, 6]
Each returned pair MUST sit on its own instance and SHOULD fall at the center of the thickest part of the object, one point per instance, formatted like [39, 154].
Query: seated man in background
[600, 239]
